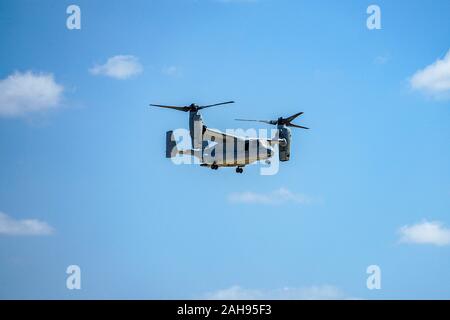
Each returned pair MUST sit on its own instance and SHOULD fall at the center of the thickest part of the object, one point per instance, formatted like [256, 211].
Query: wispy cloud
[322, 292]
[171, 71]
[276, 197]
[381, 59]
[28, 92]
[26, 227]
[434, 79]
[119, 67]
[426, 232]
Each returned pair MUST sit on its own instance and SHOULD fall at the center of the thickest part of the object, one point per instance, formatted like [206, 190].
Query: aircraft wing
[218, 136]
[276, 141]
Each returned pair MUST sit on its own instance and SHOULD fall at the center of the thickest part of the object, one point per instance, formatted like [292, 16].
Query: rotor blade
[264, 121]
[169, 107]
[296, 126]
[289, 119]
[216, 104]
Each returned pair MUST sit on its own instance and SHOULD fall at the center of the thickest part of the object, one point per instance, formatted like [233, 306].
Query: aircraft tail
[171, 145]
[172, 150]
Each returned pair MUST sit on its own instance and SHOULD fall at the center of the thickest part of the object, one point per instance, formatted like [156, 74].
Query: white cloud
[426, 232]
[118, 67]
[26, 227]
[323, 292]
[28, 92]
[278, 196]
[171, 71]
[433, 79]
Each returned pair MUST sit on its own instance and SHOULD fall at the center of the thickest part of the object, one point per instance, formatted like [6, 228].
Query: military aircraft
[216, 149]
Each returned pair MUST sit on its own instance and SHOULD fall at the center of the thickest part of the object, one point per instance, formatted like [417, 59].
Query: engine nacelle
[284, 148]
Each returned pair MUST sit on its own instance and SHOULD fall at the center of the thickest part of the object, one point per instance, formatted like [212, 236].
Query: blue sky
[82, 155]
